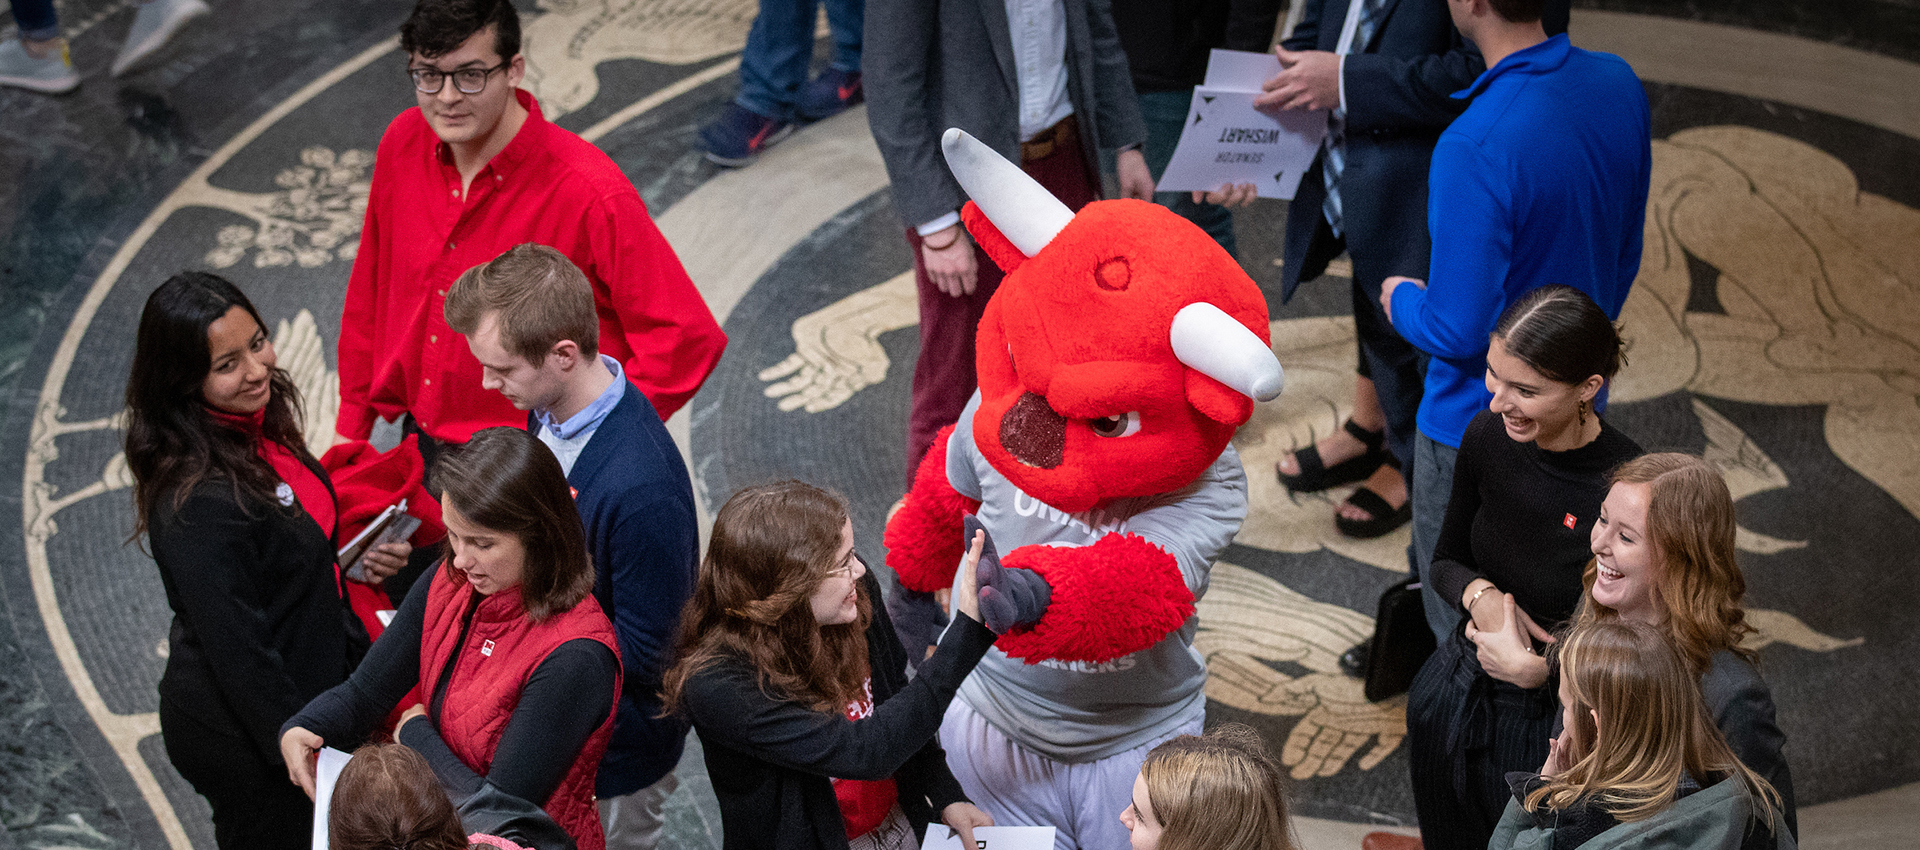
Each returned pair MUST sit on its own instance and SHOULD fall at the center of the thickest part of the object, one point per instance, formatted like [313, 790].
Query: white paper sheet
[1240, 70]
[326, 771]
[941, 837]
[1226, 140]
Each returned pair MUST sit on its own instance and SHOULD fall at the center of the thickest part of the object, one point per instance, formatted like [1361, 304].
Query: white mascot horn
[1210, 342]
[1023, 210]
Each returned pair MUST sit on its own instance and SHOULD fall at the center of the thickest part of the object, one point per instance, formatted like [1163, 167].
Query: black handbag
[1402, 640]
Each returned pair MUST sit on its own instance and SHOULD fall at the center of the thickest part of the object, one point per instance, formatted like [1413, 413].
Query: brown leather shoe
[1389, 841]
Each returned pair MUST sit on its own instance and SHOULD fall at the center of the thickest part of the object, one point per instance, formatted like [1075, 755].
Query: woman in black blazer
[241, 520]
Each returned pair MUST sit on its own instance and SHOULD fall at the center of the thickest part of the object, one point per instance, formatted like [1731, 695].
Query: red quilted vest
[501, 650]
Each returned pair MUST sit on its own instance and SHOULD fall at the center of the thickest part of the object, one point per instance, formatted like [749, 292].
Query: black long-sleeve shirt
[1521, 517]
[565, 699]
[770, 758]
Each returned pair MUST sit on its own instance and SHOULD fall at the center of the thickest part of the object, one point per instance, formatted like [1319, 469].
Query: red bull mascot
[1115, 361]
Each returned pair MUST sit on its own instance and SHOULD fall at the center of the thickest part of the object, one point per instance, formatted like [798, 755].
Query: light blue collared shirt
[566, 439]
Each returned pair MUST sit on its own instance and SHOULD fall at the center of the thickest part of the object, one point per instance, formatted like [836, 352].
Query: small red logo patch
[486, 648]
[575, 492]
[1569, 521]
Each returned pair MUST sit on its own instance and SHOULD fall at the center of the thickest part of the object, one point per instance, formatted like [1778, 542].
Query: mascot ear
[997, 246]
[1217, 401]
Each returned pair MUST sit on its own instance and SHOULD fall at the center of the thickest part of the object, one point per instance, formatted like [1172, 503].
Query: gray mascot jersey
[1077, 711]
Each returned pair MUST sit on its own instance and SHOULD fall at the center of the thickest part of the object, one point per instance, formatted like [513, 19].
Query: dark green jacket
[1718, 817]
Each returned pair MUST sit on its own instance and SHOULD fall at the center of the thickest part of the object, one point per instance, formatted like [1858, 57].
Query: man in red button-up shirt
[476, 170]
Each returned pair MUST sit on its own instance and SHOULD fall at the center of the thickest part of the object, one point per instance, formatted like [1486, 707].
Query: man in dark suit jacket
[631, 489]
[1049, 100]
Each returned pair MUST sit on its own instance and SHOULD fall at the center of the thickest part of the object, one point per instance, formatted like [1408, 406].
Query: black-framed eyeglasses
[467, 80]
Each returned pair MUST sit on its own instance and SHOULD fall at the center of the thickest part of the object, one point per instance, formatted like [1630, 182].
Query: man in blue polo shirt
[528, 317]
[1542, 180]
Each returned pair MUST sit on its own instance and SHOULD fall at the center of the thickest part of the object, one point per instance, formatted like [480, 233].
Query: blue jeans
[780, 49]
[35, 19]
[1431, 488]
[1166, 114]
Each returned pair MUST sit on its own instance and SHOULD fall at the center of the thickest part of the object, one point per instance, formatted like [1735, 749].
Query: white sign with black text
[1227, 141]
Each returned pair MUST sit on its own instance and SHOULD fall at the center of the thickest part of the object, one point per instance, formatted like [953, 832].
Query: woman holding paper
[796, 682]
[506, 643]
[241, 522]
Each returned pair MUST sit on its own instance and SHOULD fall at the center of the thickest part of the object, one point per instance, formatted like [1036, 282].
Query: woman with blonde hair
[1218, 791]
[1664, 557]
[1638, 761]
[796, 682]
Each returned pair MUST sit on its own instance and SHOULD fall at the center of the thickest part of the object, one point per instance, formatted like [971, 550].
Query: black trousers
[255, 805]
[1465, 733]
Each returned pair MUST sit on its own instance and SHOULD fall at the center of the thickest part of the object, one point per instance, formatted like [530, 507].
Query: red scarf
[864, 804]
[302, 484]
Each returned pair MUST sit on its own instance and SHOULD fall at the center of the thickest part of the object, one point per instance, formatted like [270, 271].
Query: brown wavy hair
[772, 546]
[1690, 527]
[1218, 791]
[505, 480]
[1652, 728]
[173, 443]
[388, 799]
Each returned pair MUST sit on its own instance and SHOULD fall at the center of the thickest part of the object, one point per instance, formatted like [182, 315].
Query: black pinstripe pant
[1465, 732]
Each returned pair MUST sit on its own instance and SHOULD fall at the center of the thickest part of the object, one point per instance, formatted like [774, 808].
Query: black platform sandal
[1381, 520]
[1315, 475]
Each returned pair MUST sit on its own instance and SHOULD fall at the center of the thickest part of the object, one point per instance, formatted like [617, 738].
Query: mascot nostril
[1033, 433]
[1113, 275]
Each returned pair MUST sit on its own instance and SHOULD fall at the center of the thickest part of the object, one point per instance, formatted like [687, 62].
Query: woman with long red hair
[1664, 557]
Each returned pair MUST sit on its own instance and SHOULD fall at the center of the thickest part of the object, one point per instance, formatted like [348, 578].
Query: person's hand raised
[1557, 758]
[1009, 597]
[965, 598]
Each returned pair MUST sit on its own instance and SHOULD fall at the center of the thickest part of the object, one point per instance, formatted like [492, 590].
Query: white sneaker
[153, 24]
[52, 74]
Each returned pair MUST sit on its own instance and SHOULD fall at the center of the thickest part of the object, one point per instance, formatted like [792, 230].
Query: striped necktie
[1335, 159]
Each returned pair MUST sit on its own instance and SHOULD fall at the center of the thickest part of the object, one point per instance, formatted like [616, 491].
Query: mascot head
[1122, 349]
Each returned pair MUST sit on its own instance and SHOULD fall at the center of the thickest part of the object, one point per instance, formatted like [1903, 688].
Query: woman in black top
[1527, 486]
[793, 677]
[241, 522]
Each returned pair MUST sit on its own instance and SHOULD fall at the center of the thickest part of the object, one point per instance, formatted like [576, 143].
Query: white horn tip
[1213, 343]
[1020, 208]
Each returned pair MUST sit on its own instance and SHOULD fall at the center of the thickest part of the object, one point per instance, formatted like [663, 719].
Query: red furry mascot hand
[1111, 599]
[924, 541]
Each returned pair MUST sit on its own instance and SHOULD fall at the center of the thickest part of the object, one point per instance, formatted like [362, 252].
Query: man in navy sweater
[528, 317]
[1543, 179]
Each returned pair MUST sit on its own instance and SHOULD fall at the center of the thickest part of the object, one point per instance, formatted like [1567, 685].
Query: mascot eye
[1121, 425]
